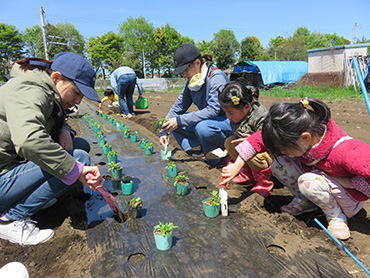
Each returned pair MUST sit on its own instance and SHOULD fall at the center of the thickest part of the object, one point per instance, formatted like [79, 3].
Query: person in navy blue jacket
[207, 127]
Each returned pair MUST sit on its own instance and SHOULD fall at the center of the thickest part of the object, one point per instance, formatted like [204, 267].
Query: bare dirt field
[68, 254]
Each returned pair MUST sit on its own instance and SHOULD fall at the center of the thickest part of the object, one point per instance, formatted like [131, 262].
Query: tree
[158, 56]
[105, 52]
[76, 42]
[173, 41]
[206, 47]
[251, 49]
[137, 33]
[11, 45]
[32, 38]
[226, 48]
[275, 47]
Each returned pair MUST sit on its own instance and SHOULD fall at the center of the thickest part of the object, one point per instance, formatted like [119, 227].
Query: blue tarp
[274, 71]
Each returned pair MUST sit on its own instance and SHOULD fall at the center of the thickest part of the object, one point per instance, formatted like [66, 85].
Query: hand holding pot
[170, 125]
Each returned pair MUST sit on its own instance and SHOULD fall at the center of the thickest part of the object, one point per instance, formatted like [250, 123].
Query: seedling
[113, 165]
[170, 165]
[127, 179]
[136, 133]
[162, 121]
[215, 200]
[148, 145]
[111, 153]
[164, 228]
[135, 202]
[181, 179]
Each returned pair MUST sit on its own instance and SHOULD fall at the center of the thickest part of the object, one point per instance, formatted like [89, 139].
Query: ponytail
[35, 63]
[286, 122]
[237, 95]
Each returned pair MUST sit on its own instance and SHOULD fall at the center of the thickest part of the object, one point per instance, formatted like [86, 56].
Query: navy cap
[184, 55]
[79, 70]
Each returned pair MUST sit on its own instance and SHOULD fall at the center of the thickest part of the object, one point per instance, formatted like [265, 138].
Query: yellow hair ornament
[304, 102]
[235, 100]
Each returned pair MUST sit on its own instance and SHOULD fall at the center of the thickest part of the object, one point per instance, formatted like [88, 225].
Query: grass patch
[321, 92]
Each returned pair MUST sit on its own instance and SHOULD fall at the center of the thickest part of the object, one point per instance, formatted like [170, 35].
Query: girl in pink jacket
[316, 160]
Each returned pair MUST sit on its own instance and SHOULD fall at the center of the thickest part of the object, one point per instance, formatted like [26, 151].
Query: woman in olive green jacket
[39, 158]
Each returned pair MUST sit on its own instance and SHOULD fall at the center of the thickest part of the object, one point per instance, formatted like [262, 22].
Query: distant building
[333, 65]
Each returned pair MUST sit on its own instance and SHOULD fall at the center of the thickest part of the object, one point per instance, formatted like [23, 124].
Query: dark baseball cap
[184, 55]
[79, 70]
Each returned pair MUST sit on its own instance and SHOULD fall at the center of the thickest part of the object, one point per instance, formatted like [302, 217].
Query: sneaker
[298, 206]
[24, 232]
[196, 154]
[338, 227]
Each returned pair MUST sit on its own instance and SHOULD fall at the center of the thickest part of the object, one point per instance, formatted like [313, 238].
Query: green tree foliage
[32, 38]
[105, 52]
[76, 42]
[226, 48]
[205, 47]
[11, 45]
[172, 42]
[137, 33]
[61, 37]
[158, 56]
[251, 49]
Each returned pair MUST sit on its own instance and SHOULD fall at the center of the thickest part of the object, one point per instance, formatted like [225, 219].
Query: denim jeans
[126, 86]
[27, 188]
[210, 134]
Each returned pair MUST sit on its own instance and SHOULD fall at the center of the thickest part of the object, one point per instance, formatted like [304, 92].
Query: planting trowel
[216, 153]
[108, 197]
[223, 199]
[166, 154]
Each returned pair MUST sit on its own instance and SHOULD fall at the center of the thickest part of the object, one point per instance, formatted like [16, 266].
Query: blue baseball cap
[79, 70]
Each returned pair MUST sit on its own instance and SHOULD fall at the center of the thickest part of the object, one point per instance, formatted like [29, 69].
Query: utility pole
[44, 33]
[144, 61]
[355, 39]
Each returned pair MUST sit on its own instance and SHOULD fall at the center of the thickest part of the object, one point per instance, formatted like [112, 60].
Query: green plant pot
[117, 173]
[105, 117]
[126, 135]
[106, 150]
[149, 150]
[127, 188]
[112, 158]
[210, 211]
[134, 212]
[162, 243]
[133, 138]
[122, 126]
[142, 144]
[102, 143]
[182, 189]
[172, 172]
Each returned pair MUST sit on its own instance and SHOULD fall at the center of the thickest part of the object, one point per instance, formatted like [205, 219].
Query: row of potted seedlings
[163, 231]
[144, 144]
[126, 182]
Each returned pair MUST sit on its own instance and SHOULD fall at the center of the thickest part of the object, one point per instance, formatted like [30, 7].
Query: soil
[68, 253]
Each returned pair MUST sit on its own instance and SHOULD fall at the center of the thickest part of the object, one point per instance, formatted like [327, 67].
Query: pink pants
[316, 186]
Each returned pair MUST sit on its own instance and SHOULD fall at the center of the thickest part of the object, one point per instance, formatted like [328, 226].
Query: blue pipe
[362, 83]
[343, 247]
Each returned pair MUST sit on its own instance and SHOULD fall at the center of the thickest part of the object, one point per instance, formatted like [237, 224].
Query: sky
[199, 20]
